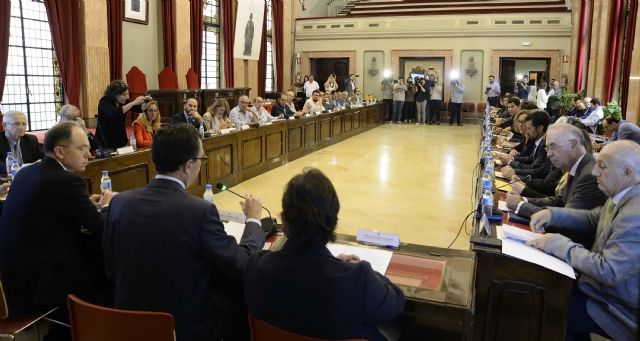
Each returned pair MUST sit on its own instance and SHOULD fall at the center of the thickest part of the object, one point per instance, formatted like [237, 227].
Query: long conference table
[476, 294]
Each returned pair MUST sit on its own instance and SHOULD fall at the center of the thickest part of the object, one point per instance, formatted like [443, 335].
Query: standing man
[23, 146]
[189, 114]
[242, 114]
[310, 86]
[167, 250]
[605, 297]
[455, 104]
[387, 97]
[350, 84]
[492, 90]
[51, 229]
[399, 90]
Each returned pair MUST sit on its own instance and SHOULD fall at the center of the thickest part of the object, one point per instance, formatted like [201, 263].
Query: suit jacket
[583, 192]
[348, 86]
[310, 292]
[167, 250]
[537, 165]
[180, 118]
[277, 110]
[540, 188]
[43, 254]
[626, 131]
[144, 138]
[610, 273]
[29, 146]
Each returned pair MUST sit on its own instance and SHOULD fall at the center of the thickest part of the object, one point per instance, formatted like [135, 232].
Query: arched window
[210, 70]
[270, 83]
[32, 84]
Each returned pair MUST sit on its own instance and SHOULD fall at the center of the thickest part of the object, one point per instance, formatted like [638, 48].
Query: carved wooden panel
[356, 119]
[310, 133]
[295, 138]
[129, 177]
[506, 319]
[347, 122]
[325, 129]
[274, 144]
[251, 152]
[336, 123]
[221, 161]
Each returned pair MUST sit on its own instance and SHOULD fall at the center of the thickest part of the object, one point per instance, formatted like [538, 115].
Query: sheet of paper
[515, 233]
[502, 206]
[535, 256]
[503, 186]
[234, 229]
[379, 259]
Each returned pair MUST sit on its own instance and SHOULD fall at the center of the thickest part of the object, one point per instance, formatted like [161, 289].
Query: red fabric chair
[481, 107]
[137, 82]
[10, 325]
[167, 79]
[263, 331]
[468, 107]
[90, 322]
[192, 79]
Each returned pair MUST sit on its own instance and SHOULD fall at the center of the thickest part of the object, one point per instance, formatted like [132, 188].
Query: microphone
[268, 224]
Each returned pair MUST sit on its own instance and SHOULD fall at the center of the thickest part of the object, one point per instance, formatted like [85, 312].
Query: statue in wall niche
[471, 68]
[248, 36]
[135, 5]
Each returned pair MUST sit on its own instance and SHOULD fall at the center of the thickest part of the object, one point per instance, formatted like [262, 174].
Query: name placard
[388, 240]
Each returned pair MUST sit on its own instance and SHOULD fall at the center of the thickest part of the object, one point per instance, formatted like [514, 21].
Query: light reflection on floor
[405, 179]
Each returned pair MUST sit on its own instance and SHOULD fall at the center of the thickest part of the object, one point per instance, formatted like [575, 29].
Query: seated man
[328, 102]
[513, 106]
[536, 164]
[622, 130]
[189, 115]
[242, 114]
[303, 288]
[188, 266]
[567, 150]
[258, 107]
[551, 184]
[291, 98]
[605, 299]
[593, 115]
[313, 105]
[50, 230]
[24, 147]
[280, 108]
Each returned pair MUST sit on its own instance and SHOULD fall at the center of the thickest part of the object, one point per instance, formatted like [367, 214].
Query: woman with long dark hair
[112, 110]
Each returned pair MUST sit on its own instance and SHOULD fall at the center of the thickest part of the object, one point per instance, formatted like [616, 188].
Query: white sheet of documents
[234, 229]
[502, 206]
[500, 175]
[535, 256]
[379, 259]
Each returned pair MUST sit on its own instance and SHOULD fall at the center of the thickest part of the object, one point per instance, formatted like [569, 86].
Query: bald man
[242, 114]
[605, 300]
[25, 147]
[189, 114]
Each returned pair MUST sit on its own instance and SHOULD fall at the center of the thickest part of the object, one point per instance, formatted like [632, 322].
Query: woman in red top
[147, 123]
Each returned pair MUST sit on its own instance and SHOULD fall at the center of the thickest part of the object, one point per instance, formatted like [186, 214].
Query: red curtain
[5, 19]
[227, 41]
[262, 62]
[115, 15]
[614, 47]
[168, 33]
[64, 21]
[278, 34]
[628, 48]
[197, 25]
[580, 62]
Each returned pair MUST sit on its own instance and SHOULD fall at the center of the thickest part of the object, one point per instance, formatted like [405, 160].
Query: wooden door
[321, 68]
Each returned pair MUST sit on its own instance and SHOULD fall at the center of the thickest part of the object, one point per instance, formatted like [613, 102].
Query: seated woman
[147, 124]
[342, 297]
[70, 112]
[217, 117]
[112, 110]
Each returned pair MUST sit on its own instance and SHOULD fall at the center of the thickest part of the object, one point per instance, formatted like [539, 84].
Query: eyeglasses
[202, 158]
[553, 146]
[83, 149]
[153, 110]
[19, 124]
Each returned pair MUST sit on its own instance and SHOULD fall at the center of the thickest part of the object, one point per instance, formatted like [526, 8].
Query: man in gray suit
[622, 130]
[566, 148]
[605, 300]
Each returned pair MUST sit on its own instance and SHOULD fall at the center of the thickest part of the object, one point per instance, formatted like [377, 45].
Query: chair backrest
[137, 81]
[4, 307]
[192, 79]
[167, 79]
[90, 322]
[481, 107]
[263, 331]
[468, 107]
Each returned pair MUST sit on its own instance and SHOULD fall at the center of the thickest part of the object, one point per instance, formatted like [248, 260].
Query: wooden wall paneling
[336, 125]
[347, 122]
[275, 144]
[310, 134]
[325, 128]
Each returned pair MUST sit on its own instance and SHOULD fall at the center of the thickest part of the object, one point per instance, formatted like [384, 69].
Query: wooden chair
[137, 81]
[263, 331]
[481, 107]
[90, 322]
[11, 326]
[167, 79]
[192, 80]
[468, 107]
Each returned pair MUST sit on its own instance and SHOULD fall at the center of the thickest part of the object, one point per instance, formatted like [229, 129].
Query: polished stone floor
[412, 180]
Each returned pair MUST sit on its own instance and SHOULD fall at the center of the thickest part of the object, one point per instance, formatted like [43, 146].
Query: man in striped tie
[605, 299]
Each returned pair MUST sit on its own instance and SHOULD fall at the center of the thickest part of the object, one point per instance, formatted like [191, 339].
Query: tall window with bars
[210, 70]
[33, 84]
[270, 83]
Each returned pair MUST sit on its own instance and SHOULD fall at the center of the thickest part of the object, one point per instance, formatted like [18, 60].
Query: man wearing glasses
[24, 146]
[242, 114]
[166, 250]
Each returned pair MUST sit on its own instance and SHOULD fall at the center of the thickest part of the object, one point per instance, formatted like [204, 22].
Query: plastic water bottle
[9, 162]
[133, 143]
[487, 203]
[487, 184]
[208, 194]
[201, 130]
[105, 181]
[15, 167]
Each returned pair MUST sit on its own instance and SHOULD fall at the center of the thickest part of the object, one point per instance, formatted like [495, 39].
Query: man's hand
[139, 100]
[251, 207]
[196, 116]
[541, 241]
[540, 220]
[348, 258]
[513, 153]
[518, 187]
[507, 171]
[596, 146]
[4, 189]
[513, 199]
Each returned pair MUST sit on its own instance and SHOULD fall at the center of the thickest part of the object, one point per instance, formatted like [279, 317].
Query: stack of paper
[515, 233]
[379, 259]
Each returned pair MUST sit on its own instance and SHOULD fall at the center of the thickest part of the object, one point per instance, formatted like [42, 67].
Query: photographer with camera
[112, 110]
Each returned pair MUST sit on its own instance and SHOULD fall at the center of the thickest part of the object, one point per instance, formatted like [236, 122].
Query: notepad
[532, 255]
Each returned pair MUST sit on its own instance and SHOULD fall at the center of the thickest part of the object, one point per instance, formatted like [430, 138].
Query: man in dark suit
[167, 250]
[350, 83]
[622, 130]
[46, 252]
[536, 164]
[566, 147]
[189, 115]
[303, 288]
[280, 108]
[15, 127]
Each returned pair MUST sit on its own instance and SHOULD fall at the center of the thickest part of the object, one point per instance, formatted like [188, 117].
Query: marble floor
[413, 180]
